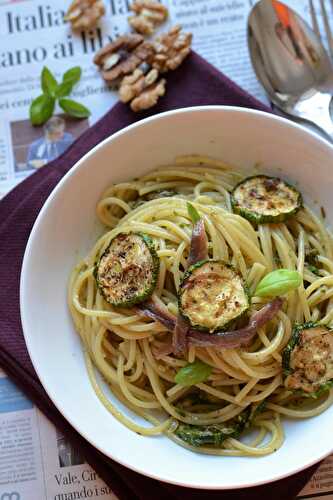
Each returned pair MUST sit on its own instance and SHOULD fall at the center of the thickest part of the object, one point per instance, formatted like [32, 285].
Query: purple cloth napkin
[195, 83]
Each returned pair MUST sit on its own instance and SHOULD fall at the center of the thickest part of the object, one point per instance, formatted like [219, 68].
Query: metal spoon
[291, 63]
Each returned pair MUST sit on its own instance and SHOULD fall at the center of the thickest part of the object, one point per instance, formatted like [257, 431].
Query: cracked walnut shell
[171, 49]
[123, 56]
[85, 14]
[148, 15]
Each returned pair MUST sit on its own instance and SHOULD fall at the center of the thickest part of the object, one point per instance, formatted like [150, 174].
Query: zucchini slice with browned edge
[307, 360]
[262, 199]
[212, 296]
[127, 272]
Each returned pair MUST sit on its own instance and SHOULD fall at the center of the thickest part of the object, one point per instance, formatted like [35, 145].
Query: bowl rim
[25, 268]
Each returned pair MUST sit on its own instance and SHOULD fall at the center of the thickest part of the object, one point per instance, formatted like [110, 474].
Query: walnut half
[148, 15]
[122, 57]
[85, 14]
[149, 97]
[133, 85]
[142, 88]
[171, 49]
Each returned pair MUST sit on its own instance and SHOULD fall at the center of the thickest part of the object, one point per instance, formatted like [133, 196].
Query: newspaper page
[33, 34]
[66, 475]
[21, 470]
[36, 462]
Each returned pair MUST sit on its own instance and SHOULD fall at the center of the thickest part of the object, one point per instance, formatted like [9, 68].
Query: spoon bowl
[291, 63]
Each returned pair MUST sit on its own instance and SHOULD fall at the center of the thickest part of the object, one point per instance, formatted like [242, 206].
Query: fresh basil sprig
[193, 373]
[42, 108]
[278, 283]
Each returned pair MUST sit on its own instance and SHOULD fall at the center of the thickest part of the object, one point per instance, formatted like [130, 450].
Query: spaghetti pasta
[126, 347]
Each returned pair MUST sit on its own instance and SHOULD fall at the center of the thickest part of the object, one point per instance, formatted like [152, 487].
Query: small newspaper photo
[36, 461]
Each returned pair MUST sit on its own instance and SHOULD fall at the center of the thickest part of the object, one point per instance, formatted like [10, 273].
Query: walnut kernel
[85, 14]
[171, 49]
[122, 57]
[149, 96]
[134, 84]
[148, 15]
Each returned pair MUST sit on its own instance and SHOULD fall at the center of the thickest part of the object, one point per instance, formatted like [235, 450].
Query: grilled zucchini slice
[262, 199]
[212, 296]
[213, 434]
[308, 359]
[127, 272]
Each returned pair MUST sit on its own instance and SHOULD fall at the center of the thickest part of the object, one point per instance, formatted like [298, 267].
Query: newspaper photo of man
[53, 143]
[34, 147]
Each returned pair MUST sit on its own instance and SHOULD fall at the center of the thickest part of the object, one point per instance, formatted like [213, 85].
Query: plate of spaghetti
[191, 291]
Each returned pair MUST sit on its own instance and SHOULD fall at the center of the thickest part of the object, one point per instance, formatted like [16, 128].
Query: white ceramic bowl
[66, 227]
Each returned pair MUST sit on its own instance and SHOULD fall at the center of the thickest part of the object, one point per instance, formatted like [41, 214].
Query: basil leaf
[74, 108]
[278, 283]
[64, 89]
[193, 373]
[41, 109]
[193, 213]
[256, 410]
[48, 82]
[313, 269]
[73, 75]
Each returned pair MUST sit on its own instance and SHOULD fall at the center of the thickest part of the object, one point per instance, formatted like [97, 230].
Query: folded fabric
[195, 83]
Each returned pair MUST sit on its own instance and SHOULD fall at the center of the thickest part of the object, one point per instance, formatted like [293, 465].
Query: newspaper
[33, 34]
[36, 462]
